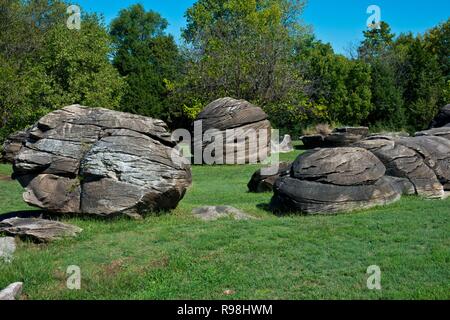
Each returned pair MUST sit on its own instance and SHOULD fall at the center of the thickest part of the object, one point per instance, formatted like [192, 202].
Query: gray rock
[249, 124]
[443, 132]
[285, 146]
[39, 230]
[12, 292]
[442, 119]
[340, 137]
[261, 182]
[101, 162]
[328, 181]
[12, 145]
[212, 213]
[7, 249]
[403, 160]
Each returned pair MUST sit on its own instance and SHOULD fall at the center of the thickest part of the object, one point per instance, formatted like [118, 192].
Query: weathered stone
[12, 292]
[212, 213]
[285, 146]
[339, 166]
[39, 230]
[12, 145]
[101, 162]
[7, 249]
[335, 180]
[310, 197]
[442, 119]
[340, 137]
[405, 162]
[443, 132]
[263, 180]
[240, 127]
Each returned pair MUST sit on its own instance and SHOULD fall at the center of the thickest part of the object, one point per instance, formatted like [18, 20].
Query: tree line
[258, 50]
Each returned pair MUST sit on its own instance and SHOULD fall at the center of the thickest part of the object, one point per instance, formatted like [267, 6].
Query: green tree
[148, 58]
[47, 66]
[244, 49]
[376, 50]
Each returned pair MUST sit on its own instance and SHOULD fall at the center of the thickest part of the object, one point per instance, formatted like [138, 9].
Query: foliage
[147, 58]
[46, 66]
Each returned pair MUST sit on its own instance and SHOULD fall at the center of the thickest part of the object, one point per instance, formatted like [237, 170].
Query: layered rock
[336, 180]
[237, 132]
[264, 179]
[443, 132]
[340, 137]
[101, 162]
[442, 119]
[39, 230]
[424, 161]
[12, 145]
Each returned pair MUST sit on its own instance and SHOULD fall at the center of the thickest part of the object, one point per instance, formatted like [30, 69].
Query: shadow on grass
[23, 214]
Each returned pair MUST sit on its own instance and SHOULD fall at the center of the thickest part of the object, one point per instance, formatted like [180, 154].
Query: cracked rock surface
[102, 162]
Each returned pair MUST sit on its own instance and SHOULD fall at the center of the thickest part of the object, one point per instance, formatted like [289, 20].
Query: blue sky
[339, 22]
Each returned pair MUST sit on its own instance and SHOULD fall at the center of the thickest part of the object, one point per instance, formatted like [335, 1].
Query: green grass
[177, 257]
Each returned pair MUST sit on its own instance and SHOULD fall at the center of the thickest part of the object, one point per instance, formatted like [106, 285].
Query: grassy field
[177, 257]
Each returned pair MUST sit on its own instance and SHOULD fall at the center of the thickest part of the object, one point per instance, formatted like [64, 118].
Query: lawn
[174, 256]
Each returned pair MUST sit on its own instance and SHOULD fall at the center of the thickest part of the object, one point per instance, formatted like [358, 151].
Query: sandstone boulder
[413, 159]
[12, 145]
[442, 119]
[101, 162]
[335, 180]
[340, 137]
[241, 128]
[443, 132]
[263, 180]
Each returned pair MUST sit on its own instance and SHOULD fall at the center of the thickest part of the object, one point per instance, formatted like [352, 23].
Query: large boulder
[340, 137]
[102, 162]
[335, 180]
[442, 119]
[421, 160]
[242, 129]
[12, 145]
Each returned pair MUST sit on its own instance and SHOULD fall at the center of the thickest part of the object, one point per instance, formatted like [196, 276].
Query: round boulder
[234, 132]
[335, 180]
[101, 162]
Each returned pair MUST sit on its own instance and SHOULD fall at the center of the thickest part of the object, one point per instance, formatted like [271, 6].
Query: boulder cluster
[374, 171]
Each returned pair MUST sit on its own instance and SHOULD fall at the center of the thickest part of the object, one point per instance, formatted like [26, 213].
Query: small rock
[212, 213]
[7, 249]
[39, 230]
[285, 146]
[12, 292]
[229, 292]
[442, 119]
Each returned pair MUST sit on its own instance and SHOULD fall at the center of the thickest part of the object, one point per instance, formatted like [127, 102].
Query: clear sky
[339, 22]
